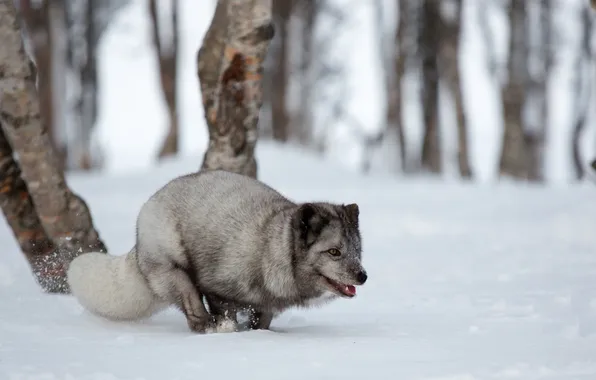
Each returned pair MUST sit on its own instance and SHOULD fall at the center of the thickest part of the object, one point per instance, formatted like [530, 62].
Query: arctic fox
[233, 240]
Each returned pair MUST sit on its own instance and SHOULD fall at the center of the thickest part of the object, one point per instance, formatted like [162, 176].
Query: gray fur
[236, 242]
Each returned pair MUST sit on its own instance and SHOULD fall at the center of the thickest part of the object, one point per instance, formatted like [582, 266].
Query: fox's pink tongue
[351, 290]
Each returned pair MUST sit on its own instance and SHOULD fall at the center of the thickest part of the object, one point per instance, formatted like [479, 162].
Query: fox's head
[329, 247]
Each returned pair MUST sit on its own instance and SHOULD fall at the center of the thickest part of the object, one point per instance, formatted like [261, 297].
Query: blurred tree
[301, 123]
[229, 65]
[288, 70]
[429, 45]
[403, 53]
[81, 16]
[279, 77]
[166, 47]
[450, 71]
[515, 154]
[64, 216]
[584, 67]
[485, 9]
[540, 61]
[83, 23]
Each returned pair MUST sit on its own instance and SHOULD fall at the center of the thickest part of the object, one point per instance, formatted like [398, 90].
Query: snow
[466, 281]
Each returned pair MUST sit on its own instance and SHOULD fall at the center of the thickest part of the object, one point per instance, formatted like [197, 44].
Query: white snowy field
[465, 282]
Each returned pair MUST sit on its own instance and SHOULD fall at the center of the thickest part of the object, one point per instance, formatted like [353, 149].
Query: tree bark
[167, 55]
[230, 72]
[429, 47]
[37, 21]
[515, 160]
[279, 110]
[64, 216]
[19, 211]
[450, 70]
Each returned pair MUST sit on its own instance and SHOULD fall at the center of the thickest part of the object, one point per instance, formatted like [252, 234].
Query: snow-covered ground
[465, 282]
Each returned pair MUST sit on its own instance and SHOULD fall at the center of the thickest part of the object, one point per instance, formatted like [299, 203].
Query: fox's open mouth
[343, 289]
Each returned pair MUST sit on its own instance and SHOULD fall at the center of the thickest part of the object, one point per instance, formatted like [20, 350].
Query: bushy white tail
[111, 286]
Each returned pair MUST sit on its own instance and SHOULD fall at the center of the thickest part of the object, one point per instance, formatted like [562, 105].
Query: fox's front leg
[260, 320]
[224, 313]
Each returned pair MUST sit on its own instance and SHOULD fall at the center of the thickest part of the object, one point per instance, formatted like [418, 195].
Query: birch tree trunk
[19, 211]
[230, 65]
[37, 20]
[63, 215]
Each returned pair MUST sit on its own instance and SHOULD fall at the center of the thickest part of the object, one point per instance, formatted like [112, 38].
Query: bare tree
[583, 87]
[429, 45]
[280, 118]
[166, 47]
[86, 104]
[539, 53]
[515, 160]
[301, 121]
[64, 216]
[229, 69]
[402, 47]
[83, 23]
[450, 71]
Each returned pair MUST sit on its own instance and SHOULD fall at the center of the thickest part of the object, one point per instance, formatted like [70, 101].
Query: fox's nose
[361, 277]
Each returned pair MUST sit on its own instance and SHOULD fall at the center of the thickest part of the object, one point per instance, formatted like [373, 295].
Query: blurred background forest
[471, 89]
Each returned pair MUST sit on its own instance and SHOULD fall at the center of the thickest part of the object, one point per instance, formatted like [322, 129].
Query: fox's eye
[334, 252]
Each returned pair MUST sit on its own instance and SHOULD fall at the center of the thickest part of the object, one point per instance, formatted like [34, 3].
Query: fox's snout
[361, 277]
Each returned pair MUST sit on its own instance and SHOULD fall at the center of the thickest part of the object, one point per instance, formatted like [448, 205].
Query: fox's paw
[201, 325]
[226, 325]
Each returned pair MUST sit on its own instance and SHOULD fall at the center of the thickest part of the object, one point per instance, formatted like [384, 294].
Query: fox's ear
[310, 222]
[352, 212]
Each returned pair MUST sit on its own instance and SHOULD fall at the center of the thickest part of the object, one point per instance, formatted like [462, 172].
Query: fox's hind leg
[224, 313]
[173, 285]
[166, 264]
